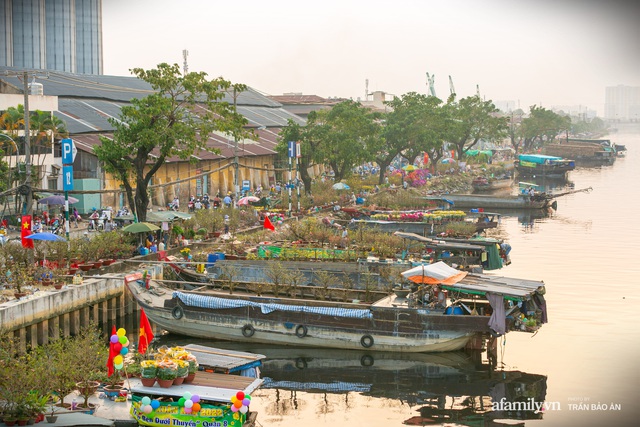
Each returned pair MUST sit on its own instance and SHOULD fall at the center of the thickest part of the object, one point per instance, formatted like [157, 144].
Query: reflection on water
[440, 387]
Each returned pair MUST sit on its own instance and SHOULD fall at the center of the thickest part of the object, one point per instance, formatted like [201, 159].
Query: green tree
[541, 127]
[296, 132]
[472, 120]
[175, 120]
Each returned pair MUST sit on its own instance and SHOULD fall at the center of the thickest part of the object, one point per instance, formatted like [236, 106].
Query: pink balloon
[234, 408]
[187, 410]
[147, 409]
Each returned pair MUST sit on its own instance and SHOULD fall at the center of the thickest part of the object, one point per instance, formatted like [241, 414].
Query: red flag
[146, 334]
[267, 224]
[112, 352]
[26, 231]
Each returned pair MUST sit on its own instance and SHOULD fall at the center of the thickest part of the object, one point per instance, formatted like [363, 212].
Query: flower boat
[209, 399]
[426, 321]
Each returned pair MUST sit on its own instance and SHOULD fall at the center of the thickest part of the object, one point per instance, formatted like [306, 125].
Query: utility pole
[28, 196]
[235, 149]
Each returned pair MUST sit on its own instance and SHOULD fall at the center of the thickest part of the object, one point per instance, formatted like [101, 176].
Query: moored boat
[425, 321]
[540, 165]
[486, 201]
[483, 183]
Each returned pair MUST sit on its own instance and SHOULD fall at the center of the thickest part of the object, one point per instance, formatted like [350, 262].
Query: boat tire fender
[301, 331]
[177, 312]
[366, 360]
[366, 341]
[248, 330]
[301, 363]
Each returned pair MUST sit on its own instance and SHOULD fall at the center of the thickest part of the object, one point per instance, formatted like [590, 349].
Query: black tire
[301, 331]
[366, 360]
[366, 341]
[248, 330]
[177, 312]
[301, 363]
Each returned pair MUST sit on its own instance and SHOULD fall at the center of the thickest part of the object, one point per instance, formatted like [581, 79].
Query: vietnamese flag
[25, 230]
[146, 334]
[268, 225]
[112, 352]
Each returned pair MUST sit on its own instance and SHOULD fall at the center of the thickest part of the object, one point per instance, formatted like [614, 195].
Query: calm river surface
[585, 363]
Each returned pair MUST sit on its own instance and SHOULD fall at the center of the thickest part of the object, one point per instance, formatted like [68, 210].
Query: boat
[541, 165]
[483, 183]
[223, 374]
[490, 202]
[425, 321]
[586, 152]
[423, 222]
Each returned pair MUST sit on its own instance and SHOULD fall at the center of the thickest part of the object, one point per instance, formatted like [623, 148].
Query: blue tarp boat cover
[537, 158]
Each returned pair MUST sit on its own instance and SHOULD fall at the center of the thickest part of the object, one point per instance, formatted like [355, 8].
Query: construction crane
[430, 82]
[451, 88]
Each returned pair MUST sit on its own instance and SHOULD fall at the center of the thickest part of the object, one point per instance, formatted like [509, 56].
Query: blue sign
[68, 151]
[292, 149]
[67, 178]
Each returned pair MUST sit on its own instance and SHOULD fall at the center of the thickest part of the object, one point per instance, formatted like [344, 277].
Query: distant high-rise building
[63, 35]
[622, 103]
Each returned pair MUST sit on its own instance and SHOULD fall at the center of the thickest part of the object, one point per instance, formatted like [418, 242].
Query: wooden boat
[540, 165]
[483, 183]
[485, 201]
[214, 385]
[420, 323]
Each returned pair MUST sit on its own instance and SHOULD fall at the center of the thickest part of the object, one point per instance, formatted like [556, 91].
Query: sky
[544, 52]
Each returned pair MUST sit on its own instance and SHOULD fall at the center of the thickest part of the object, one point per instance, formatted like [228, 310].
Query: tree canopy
[174, 121]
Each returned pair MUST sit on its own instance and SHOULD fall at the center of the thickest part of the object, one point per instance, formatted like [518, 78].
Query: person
[37, 226]
[226, 224]
[161, 246]
[85, 236]
[345, 237]
[93, 217]
[175, 205]
[198, 205]
[75, 217]
[227, 200]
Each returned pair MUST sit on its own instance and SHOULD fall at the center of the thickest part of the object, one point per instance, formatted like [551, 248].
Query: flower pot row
[166, 383]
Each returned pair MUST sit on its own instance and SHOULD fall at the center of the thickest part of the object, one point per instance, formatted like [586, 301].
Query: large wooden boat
[418, 323]
[486, 201]
[539, 165]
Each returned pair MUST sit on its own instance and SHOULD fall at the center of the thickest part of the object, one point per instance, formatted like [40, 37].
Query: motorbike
[192, 206]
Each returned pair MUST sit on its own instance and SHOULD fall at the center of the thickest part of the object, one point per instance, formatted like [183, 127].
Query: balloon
[147, 409]
[195, 398]
[196, 407]
[126, 343]
[234, 409]
[121, 332]
[124, 350]
[119, 366]
[246, 396]
[187, 395]
[122, 340]
[244, 409]
[238, 404]
[240, 395]
[117, 360]
[187, 410]
[155, 404]
[181, 401]
[233, 399]
[117, 346]
[188, 403]
[114, 339]
[246, 402]
[145, 400]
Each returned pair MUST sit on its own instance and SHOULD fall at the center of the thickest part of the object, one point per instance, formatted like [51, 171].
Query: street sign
[69, 151]
[246, 185]
[298, 150]
[67, 178]
[291, 152]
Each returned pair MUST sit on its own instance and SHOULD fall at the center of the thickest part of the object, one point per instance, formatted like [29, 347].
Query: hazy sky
[544, 52]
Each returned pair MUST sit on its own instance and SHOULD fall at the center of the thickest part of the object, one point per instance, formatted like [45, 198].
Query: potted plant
[182, 372]
[167, 373]
[148, 372]
[193, 369]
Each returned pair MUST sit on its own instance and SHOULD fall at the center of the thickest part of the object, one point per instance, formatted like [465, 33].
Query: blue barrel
[453, 310]
[220, 255]
[211, 259]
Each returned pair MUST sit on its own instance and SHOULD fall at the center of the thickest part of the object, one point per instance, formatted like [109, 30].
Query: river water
[584, 364]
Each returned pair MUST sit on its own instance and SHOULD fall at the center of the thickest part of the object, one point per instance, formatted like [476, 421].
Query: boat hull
[489, 202]
[389, 328]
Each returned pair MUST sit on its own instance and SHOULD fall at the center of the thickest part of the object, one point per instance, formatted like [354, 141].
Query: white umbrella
[434, 274]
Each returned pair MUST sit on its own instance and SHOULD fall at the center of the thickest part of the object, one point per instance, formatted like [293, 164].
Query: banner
[172, 414]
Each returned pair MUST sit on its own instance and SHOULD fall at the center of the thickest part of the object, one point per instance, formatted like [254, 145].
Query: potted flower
[186, 253]
[183, 371]
[193, 368]
[148, 372]
[167, 372]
